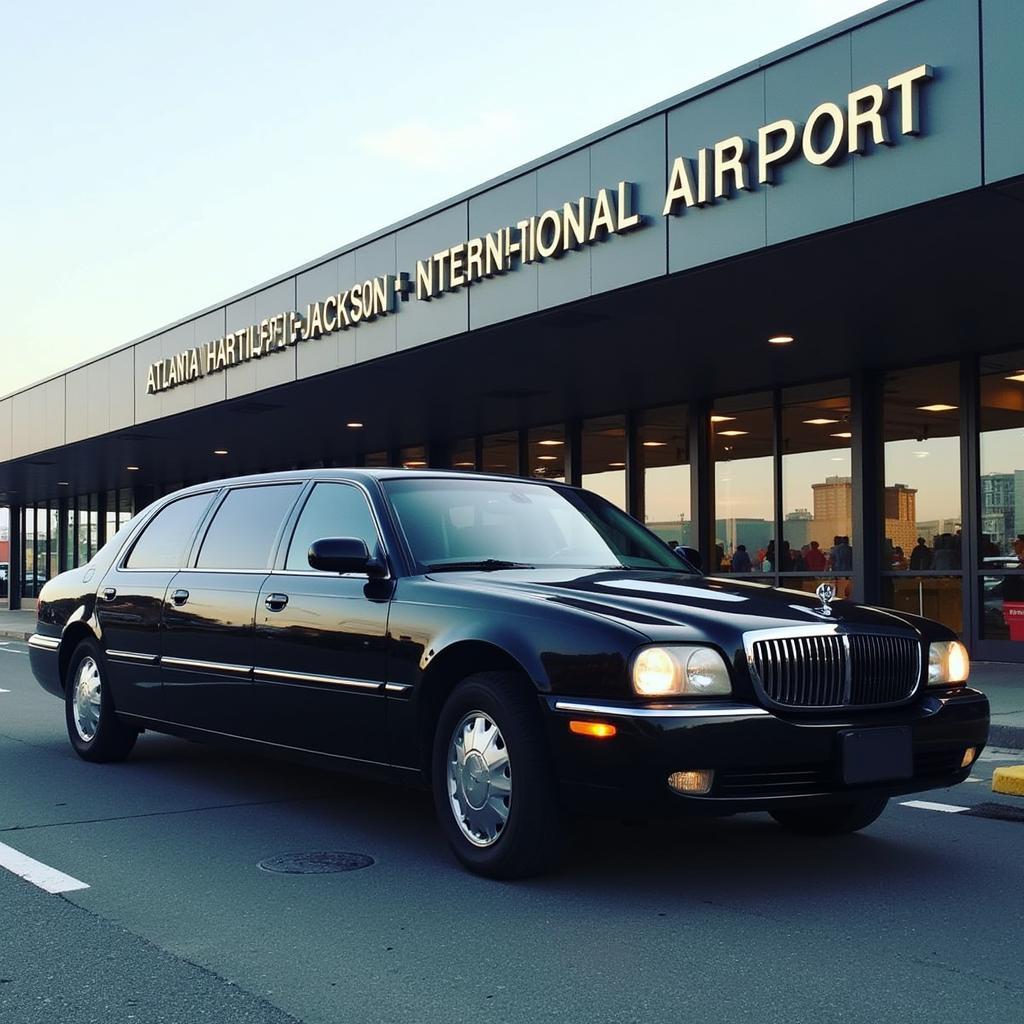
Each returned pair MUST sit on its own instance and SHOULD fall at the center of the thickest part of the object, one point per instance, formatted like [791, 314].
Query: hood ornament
[826, 592]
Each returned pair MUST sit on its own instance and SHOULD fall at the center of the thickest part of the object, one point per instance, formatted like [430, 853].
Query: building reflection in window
[935, 597]
[922, 470]
[413, 457]
[665, 454]
[741, 430]
[376, 460]
[603, 452]
[817, 480]
[1001, 494]
[463, 454]
[546, 446]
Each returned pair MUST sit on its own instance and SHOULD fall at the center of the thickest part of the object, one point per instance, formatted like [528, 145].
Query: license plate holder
[876, 755]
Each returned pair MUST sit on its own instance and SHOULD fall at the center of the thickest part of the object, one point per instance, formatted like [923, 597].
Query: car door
[320, 637]
[209, 610]
[130, 598]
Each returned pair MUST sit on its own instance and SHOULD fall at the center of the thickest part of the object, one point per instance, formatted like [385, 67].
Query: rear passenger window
[242, 533]
[332, 510]
[164, 542]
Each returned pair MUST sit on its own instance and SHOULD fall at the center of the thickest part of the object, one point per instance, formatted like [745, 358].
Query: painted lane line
[927, 805]
[5, 691]
[42, 875]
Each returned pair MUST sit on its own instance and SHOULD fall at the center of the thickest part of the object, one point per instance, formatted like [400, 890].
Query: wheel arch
[73, 635]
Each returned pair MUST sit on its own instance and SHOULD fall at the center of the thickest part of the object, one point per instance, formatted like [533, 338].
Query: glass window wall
[546, 448]
[501, 453]
[665, 453]
[604, 458]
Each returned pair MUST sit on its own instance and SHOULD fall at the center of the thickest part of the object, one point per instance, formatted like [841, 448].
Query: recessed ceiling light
[414, 464]
[845, 433]
[722, 419]
[220, 451]
[63, 483]
[464, 465]
[616, 465]
[132, 469]
[1017, 376]
[780, 339]
[550, 443]
[937, 407]
[655, 444]
[548, 458]
[733, 433]
[355, 424]
[820, 421]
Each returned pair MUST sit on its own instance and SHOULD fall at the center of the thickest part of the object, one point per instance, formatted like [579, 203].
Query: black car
[520, 646]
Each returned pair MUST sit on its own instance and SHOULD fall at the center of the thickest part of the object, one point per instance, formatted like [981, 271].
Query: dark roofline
[759, 63]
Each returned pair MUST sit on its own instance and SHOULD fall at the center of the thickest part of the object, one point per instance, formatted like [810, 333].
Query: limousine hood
[668, 606]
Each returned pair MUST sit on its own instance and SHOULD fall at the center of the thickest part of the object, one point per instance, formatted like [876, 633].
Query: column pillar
[868, 464]
[702, 485]
[17, 558]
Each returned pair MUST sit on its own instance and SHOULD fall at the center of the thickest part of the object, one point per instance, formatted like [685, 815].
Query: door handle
[108, 593]
[179, 597]
[276, 602]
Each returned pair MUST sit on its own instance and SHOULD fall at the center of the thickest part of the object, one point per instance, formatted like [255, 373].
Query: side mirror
[691, 556]
[343, 554]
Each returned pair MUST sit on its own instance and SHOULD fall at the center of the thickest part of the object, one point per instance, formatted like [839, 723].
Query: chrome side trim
[44, 643]
[278, 675]
[207, 666]
[149, 659]
[397, 687]
[729, 711]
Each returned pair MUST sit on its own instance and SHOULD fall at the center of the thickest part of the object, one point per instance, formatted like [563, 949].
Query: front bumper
[760, 758]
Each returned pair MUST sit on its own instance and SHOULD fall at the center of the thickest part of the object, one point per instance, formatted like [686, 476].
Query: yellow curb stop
[1009, 780]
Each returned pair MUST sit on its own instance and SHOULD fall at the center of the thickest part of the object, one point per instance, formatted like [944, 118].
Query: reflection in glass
[935, 597]
[604, 458]
[741, 430]
[501, 453]
[376, 460]
[817, 481]
[1002, 459]
[463, 454]
[922, 470]
[1002, 607]
[413, 456]
[665, 454]
[547, 452]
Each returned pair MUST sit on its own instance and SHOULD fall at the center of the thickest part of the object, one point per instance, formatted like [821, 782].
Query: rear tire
[95, 731]
[495, 791]
[831, 819]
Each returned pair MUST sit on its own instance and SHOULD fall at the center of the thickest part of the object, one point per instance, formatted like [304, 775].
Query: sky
[160, 158]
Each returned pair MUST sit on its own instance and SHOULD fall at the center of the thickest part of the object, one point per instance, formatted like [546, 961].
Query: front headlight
[948, 663]
[680, 671]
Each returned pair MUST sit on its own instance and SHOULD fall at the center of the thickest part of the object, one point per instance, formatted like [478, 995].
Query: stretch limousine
[519, 646]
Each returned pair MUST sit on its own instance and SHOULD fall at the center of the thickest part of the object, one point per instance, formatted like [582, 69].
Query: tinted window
[164, 541]
[332, 510]
[243, 530]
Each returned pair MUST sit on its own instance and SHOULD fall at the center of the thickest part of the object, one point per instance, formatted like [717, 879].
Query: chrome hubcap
[87, 699]
[479, 778]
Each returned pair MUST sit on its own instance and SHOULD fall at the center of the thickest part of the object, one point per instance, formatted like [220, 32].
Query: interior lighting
[937, 407]
[132, 469]
[780, 339]
[355, 425]
[733, 433]
[220, 451]
[550, 443]
[722, 419]
[655, 444]
[616, 465]
[414, 464]
[63, 483]
[1018, 376]
[696, 782]
[596, 730]
[820, 422]
[548, 458]
[464, 465]
[845, 433]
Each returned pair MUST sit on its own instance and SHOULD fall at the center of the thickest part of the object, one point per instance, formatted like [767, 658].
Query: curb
[1011, 736]
[14, 634]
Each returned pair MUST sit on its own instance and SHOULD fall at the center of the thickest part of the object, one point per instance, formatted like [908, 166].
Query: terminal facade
[773, 317]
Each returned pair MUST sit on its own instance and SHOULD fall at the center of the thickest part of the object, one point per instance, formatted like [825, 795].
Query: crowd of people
[811, 557]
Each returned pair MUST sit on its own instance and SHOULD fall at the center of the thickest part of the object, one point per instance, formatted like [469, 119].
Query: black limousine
[520, 646]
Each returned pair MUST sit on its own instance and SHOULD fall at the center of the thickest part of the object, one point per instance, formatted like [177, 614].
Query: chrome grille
[832, 669]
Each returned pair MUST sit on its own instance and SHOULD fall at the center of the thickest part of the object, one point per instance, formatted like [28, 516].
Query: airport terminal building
[775, 317]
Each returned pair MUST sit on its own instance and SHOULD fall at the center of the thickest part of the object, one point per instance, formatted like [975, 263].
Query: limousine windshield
[496, 524]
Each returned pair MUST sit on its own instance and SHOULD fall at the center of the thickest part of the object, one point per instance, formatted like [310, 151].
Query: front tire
[831, 819]
[95, 731]
[494, 788]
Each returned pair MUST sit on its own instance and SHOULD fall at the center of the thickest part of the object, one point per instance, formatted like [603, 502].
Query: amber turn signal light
[599, 730]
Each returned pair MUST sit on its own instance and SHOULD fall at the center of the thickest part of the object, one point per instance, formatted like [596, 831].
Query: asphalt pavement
[734, 920]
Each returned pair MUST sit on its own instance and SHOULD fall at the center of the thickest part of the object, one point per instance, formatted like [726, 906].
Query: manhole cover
[322, 862]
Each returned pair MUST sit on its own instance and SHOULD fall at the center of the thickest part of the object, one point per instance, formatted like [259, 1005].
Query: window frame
[132, 541]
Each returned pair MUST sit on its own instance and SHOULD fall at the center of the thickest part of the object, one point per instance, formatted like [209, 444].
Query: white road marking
[5, 691]
[8, 650]
[927, 805]
[42, 875]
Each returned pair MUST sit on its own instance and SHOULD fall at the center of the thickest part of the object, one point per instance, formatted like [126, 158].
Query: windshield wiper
[484, 565]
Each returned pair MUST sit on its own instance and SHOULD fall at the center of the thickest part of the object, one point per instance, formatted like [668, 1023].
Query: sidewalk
[1003, 684]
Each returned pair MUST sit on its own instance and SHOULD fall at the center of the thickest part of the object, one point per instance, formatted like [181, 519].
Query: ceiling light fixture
[733, 433]
[1018, 376]
[63, 483]
[548, 458]
[655, 444]
[464, 465]
[722, 419]
[354, 425]
[414, 464]
[820, 422]
[132, 469]
[220, 451]
[780, 339]
[937, 407]
[616, 465]
[549, 443]
[845, 433]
